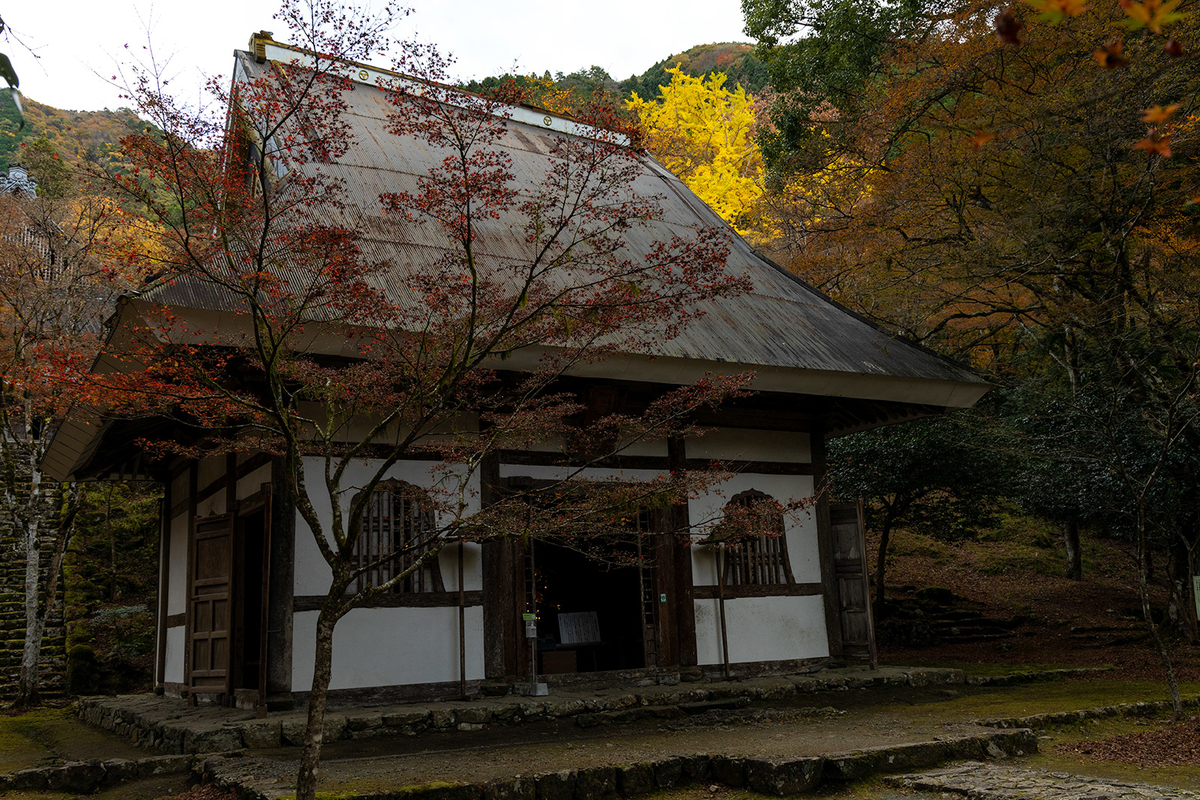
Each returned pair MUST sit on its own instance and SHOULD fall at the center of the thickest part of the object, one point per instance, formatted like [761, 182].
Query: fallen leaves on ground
[1173, 745]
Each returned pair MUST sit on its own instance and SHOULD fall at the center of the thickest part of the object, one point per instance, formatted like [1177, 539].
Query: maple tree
[53, 295]
[340, 378]
[703, 132]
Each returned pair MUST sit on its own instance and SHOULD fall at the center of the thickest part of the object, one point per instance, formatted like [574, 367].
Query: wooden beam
[397, 600]
[733, 591]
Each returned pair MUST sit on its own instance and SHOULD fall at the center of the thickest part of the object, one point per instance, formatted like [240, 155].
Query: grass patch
[988, 670]
[908, 543]
[49, 736]
[1041, 698]
[1018, 558]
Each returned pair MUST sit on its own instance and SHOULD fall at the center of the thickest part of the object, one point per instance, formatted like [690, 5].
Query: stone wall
[12, 617]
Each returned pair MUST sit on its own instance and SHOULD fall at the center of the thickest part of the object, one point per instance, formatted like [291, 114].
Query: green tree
[944, 472]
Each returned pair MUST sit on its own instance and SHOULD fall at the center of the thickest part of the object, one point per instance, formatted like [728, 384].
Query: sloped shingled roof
[781, 323]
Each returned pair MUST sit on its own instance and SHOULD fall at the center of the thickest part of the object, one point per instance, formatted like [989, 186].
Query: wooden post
[825, 544]
[282, 567]
[685, 607]
[721, 604]
[462, 630]
[164, 583]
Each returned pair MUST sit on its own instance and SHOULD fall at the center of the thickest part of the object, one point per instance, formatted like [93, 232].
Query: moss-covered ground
[45, 737]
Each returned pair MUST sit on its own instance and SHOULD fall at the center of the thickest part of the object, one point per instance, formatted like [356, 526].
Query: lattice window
[760, 560]
[397, 528]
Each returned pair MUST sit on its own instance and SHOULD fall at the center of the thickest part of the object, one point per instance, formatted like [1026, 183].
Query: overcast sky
[79, 42]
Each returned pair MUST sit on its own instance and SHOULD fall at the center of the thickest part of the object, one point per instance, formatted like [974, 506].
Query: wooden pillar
[685, 607]
[193, 490]
[164, 582]
[500, 633]
[281, 545]
[825, 543]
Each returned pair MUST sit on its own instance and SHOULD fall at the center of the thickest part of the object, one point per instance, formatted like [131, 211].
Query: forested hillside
[78, 136]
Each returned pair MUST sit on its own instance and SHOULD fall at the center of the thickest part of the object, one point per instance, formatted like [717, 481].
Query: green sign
[529, 617]
[1196, 593]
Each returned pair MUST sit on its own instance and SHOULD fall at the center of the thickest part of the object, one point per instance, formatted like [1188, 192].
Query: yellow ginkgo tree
[704, 132]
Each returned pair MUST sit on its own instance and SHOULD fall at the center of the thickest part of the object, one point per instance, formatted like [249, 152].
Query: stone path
[978, 781]
[169, 726]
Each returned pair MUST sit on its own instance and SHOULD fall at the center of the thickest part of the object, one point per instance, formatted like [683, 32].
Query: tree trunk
[881, 565]
[1155, 635]
[35, 612]
[1070, 532]
[1183, 601]
[310, 756]
[44, 593]
[35, 619]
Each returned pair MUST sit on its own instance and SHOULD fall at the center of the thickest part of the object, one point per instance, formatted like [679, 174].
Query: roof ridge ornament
[18, 181]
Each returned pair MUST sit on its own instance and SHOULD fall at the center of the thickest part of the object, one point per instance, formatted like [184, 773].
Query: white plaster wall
[390, 646]
[312, 574]
[751, 444]
[253, 482]
[762, 629]
[177, 575]
[539, 473]
[173, 669]
[643, 448]
[210, 469]
[800, 527]
[747, 444]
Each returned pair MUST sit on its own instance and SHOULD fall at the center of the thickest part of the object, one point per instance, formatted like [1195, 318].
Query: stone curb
[177, 735]
[85, 777]
[1039, 721]
[1016, 678]
[777, 778]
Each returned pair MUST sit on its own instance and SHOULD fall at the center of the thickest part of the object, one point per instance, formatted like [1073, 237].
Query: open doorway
[591, 615]
[250, 570]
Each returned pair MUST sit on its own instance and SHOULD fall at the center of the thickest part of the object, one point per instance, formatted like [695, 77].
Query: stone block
[783, 779]
[119, 770]
[556, 785]
[363, 723]
[596, 783]
[213, 740]
[696, 768]
[439, 790]
[505, 713]
[403, 719]
[257, 735]
[76, 777]
[729, 771]
[634, 779]
[292, 731]
[565, 708]
[620, 701]
[28, 780]
[333, 729]
[510, 789]
[442, 718]
[473, 715]
[164, 765]
[668, 773]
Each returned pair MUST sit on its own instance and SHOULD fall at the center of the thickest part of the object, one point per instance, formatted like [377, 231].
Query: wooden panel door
[210, 615]
[853, 585]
